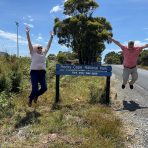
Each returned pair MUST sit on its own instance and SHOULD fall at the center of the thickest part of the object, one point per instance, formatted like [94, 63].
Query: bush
[94, 94]
[5, 80]
[5, 83]
[143, 59]
[51, 71]
[61, 57]
[10, 74]
[97, 93]
[3, 100]
[16, 78]
[6, 107]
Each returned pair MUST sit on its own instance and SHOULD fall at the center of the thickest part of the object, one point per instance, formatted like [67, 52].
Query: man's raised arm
[145, 46]
[116, 42]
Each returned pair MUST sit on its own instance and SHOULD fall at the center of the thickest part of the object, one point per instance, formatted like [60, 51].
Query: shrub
[3, 100]
[94, 93]
[5, 83]
[61, 57]
[6, 107]
[10, 74]
[16, 78]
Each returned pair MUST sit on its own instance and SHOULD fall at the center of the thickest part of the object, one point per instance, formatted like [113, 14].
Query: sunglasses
[40, 47]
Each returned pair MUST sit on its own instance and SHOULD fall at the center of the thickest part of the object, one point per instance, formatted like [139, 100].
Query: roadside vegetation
[79, 120]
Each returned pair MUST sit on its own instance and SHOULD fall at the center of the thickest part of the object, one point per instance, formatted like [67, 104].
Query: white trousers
[127, 72]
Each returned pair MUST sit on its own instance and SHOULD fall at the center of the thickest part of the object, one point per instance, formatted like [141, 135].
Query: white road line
[139, 86]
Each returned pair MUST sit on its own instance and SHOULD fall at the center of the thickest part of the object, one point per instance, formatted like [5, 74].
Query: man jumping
[130, 57]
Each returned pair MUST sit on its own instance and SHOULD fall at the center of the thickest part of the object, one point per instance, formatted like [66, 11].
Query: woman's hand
[52, 34]
[27, 29]
[28, 39]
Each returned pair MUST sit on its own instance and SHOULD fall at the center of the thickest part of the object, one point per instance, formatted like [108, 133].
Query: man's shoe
[123, 86]
[131, 86]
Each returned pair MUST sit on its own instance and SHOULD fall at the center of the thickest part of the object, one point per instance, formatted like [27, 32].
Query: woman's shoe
[29, 103]
[35, 99]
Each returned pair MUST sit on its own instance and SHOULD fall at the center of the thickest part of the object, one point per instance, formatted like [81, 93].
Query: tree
[61, 57]
[143, 59]
[120, 53]
[81, 31]
[52, 57]
[113, 58]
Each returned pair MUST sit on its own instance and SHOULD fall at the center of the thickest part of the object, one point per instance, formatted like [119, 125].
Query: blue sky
[128, 18]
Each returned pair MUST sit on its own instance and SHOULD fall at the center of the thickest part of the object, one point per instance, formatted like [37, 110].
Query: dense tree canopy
[81, 31]
[63, 57]
[113, 58]
[143, 59]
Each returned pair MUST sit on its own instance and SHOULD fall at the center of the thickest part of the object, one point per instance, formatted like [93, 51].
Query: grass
[144, 67]
[77, 121]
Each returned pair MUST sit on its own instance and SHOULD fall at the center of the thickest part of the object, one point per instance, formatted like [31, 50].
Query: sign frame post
[57, 97]
[107, 94]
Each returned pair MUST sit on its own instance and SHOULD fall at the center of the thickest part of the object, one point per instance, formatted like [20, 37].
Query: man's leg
[134, 76]
[34, 82]
[126, 73]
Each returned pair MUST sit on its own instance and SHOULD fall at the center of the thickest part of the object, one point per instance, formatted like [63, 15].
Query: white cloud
[114, 49]
[12, 37]
[31, 20]
[140, 43]
[28, 18]
[29, 25]
[56, 8]
[39, 38]
[146, 39]
[68, 16]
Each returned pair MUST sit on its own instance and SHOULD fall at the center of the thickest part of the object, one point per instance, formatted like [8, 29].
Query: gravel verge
[131, 106]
